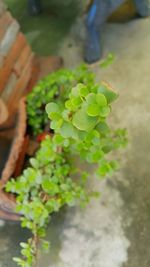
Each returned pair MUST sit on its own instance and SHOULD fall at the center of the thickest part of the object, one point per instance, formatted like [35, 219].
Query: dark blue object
[34, 7]
[98, 14]
[143, 7]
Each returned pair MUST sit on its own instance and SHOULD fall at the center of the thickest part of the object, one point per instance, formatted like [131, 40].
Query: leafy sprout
[108, 61]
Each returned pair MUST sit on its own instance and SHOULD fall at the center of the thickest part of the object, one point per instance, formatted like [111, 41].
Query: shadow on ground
[46, 31]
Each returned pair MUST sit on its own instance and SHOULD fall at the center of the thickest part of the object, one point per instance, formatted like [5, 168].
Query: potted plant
[77, 111]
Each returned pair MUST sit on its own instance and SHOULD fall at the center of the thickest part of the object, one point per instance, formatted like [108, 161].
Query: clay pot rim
[3, 112]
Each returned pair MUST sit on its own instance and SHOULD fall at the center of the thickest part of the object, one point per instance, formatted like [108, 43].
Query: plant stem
[35, 243]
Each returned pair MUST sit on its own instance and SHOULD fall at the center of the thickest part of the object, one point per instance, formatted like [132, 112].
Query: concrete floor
[113, 231]
[130, 75]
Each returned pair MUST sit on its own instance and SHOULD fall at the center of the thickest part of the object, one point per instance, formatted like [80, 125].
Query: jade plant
[77, 113]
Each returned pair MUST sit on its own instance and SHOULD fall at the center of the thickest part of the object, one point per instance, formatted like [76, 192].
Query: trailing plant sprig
[41, 190]
[77, 111]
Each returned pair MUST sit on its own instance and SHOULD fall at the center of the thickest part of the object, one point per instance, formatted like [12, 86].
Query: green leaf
[82, 121]
[103, 169]
[56, 124]
[76, 102]
[69, 105]
[66, 143]
[67, 130]
[52, 107]
[65, 187]
[95, 156]
[83, 90]
[34, 162]
[107, 148]
[91, 99]
[101, 100]
[79, 90]
[50, 187]
[108, 92]
[104, 112]
[65, 115]
[45, 246]
[18, 260]
[94, 103]
[24, 245]
[93, 110]
[74, 92]
[114, 164]
[54, 116]
[58, 139]
[108, 61]
[103, 128]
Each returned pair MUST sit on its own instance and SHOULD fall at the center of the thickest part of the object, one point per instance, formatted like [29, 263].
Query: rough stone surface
[113, 231]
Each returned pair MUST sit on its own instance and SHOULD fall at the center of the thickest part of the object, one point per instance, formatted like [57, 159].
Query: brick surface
[48, 65]
[22, 60]
[5, 20]
[2, 7]
[9, 38]
[19, 89]
[1, 61]
[11, 58]
[12, 81]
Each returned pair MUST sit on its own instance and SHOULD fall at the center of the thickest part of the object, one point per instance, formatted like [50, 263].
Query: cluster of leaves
[42, 189]
[53, 87]
[78, 117]
[80, 122]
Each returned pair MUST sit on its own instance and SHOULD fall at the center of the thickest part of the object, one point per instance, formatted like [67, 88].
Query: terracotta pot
[3, 112]
[7, 201]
